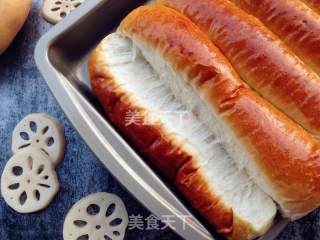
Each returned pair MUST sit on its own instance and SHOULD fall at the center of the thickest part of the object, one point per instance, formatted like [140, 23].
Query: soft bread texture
[13, 14]
[185, 150]
[294, 22]
[314, 4]
[260, 57]
[281, 157]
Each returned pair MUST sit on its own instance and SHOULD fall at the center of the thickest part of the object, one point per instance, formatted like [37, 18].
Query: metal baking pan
[61, 56]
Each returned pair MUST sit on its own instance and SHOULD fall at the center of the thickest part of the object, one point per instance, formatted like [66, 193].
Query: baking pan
[61, 56]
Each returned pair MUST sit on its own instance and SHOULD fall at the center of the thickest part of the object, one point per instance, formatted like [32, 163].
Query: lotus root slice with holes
[42, 132]
[29, 181]
[55, 10]
[98, 216]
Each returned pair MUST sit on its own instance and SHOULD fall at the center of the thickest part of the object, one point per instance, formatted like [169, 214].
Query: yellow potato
[13, 15]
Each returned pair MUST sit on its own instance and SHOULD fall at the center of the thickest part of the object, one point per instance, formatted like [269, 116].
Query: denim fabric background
[23, 91]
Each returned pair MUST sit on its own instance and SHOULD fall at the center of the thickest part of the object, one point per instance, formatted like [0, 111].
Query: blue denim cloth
[23, 91]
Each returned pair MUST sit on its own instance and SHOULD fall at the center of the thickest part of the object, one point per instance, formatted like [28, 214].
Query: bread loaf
[294, 22]
[260, 57]
[146, 104]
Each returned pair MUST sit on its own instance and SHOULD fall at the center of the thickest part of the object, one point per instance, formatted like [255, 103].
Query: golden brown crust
[295, 23]
[286, 155]
[314, 4]
[193, 184]
[260, 58]
[14, 14]
[173, 32]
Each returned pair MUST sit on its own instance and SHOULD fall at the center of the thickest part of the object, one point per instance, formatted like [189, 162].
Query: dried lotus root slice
[29, 181]
[41, 132]
[55, 10]
[98, 216]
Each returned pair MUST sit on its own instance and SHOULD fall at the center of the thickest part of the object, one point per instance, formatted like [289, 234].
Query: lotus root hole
[33, 126]
[110, 209]
[83, 237]
[23, 198]
[80, 223]
[116, 222]
[93, 209]
[24, 136]
[50, 141]
[17, 171]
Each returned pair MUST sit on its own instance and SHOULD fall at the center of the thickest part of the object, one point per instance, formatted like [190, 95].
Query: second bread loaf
[294, 22]
[260, 57]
